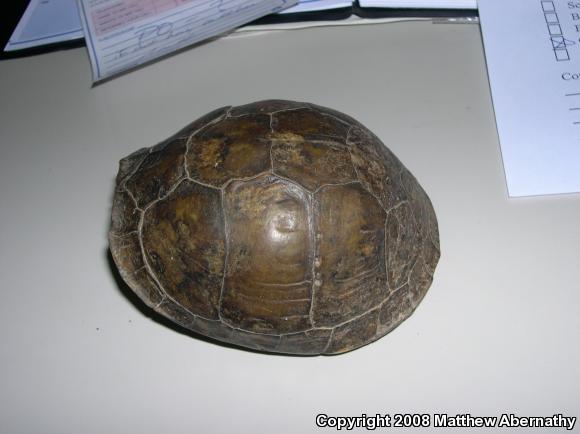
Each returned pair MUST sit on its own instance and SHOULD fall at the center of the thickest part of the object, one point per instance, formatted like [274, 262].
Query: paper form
[46, 22]
[532, 49]
[419, 4]
[123, 34]
[317, 5]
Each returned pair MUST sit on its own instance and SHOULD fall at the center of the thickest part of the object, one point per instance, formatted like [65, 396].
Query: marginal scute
[278, 226]
[147, 288]
[352, 279]
[158, 173]
[419, 282]
[193, 128]
[365, 140]
[126, 254]
[348, 336]
[421, 207]
[213, 329]
[203, 122]
[394, 310]
[431, 255]
[128, 165]
[125, 215]
[424, 216]
[176, 313]
[308, 342]
[230, 149]
[184, 242]
[312, 164]
[403, 243]
[346, 119]
[255, 341]
[377, 171]
[268, 279]
[266, 107]
[313, 124]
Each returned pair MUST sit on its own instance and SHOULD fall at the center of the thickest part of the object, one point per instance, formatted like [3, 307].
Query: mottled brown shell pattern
[278, 226]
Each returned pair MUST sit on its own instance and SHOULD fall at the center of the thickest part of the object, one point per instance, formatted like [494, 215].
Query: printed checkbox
[555, 29]
[558, 42]
[548, 6]
[552, 18]
[562, 55]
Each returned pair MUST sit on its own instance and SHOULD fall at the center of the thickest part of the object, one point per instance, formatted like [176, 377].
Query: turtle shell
[278, 226]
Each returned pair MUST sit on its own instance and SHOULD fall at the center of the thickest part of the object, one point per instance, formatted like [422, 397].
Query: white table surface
[498, 331]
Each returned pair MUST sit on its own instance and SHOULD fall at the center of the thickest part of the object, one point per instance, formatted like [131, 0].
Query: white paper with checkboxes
[532, 49]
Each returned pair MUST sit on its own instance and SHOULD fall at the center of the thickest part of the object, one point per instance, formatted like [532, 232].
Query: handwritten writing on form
[532, 49]
[123, 34]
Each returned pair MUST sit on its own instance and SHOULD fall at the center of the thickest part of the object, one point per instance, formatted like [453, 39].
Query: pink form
[123, 12]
